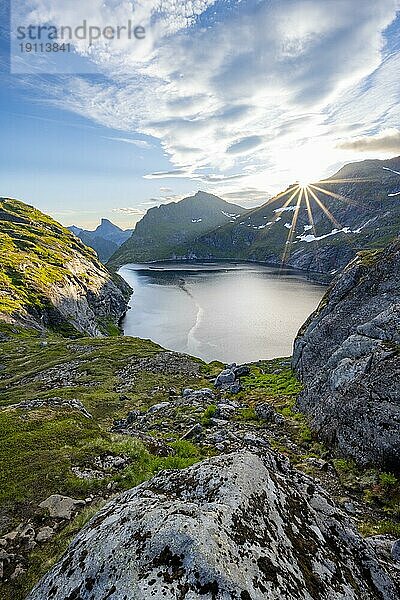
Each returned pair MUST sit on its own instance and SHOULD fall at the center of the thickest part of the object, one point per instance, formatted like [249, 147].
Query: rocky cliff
[348, 356]
[238, 526]
[48, 277]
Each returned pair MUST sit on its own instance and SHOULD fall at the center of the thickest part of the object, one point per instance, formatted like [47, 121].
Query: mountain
[165, 229]
[50, 278]
[348, 358]
[358, 209]
[84, 419]
[105, 239]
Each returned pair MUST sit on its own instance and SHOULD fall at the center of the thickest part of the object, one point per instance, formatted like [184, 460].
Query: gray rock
[202, 393]
[44, 534]
[224, 411]
[226, 377]
[158, 407]
[396, 550]
[193, 432]
[56, 402]
[61, 507]
[347, 356]
[241, 371]
[235, 387]
[234, 527]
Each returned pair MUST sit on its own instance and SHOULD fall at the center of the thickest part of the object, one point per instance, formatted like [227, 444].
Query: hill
[348, 355]
[48, 277]
[166, 229]
[105, 239]
[355, 209]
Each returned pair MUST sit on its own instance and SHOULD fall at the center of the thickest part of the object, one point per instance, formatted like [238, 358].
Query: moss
[273, 378]
[383, 527]
[35, 254]
[208, 415]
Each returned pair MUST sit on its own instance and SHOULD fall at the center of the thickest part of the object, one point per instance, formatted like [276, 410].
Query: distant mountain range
[168, 230]
[318, 228]
[105, 239]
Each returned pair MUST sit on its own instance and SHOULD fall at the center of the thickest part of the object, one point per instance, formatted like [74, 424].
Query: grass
[38, 448]
[208, 415]
[36, 254]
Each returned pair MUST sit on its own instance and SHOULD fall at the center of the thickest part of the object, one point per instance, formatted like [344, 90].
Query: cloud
[268, 86]
[129, 210]
[387, 142]
[167, 174]
[245, 145]
[138, 143]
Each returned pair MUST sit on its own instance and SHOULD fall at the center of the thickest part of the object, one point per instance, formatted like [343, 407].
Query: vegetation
[39, 447]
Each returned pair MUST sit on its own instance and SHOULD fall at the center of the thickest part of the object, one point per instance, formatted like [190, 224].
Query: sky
[240, 98]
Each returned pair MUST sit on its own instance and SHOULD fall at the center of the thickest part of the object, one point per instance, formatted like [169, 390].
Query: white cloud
[138, 143]
[129, 210]
[386, 142]
[271, 90]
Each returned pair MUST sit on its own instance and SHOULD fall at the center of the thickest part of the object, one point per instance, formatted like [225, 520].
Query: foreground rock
[234, 527]
[348, 356]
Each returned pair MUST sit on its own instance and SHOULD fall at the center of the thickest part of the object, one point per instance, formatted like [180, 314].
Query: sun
[303, 182]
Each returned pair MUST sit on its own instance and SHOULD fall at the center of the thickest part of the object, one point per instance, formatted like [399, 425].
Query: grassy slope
[33, 251]
[39, 447]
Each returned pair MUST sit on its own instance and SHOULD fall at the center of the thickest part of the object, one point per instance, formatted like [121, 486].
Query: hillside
[48, 277]
[348, 354]
[357, 208]
[164, 230]
[105, 239]
[83, 419]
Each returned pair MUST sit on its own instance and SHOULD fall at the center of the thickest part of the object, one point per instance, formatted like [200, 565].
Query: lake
[231, 312]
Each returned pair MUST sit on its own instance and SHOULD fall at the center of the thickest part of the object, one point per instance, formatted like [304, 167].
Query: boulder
[61, 507]
[241, 371]
[348, 357]
[226, 377]
[239, 526]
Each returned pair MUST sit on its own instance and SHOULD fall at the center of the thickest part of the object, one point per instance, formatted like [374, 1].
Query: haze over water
[219, 311]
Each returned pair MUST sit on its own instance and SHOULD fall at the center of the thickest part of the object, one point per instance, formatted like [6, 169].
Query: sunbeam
[349, 201]
[292, 231]
[325, 209]
[288, 201]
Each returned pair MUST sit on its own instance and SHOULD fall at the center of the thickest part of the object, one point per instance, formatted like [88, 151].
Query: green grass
[263, 377]
[35, 254]
[38, 448]
[208, 415]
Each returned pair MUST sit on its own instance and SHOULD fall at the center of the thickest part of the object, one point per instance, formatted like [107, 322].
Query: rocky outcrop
[238, 526]
[348, 356]
[49, 278]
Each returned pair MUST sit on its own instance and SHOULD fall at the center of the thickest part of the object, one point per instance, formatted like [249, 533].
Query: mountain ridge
[49, 278]
[164, 229]
[353, 210]
[105, 239]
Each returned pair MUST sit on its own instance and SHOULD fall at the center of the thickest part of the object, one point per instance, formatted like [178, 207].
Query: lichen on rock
[237, 526]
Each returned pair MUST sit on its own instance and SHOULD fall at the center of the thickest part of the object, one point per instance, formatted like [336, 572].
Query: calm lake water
[219, 311]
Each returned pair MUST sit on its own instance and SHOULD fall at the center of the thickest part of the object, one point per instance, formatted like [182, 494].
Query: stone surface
[61, 507]
[235, 527]
[348, 356]
[73, 403]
